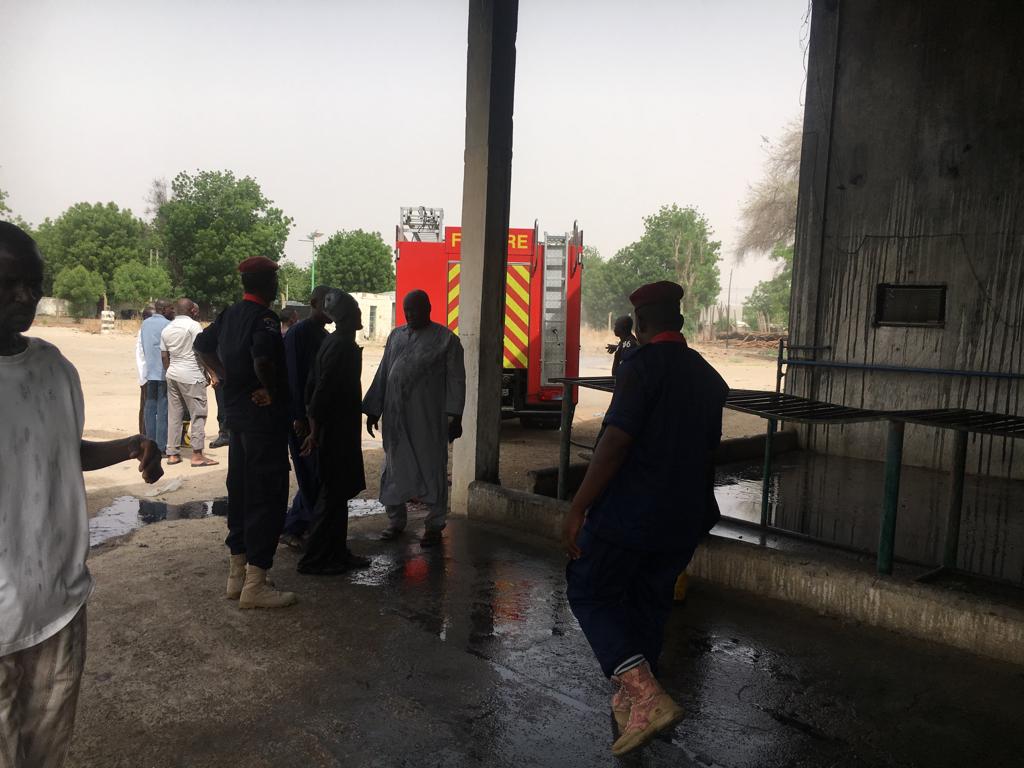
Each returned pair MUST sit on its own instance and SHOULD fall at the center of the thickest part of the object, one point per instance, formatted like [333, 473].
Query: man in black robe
[333, 406]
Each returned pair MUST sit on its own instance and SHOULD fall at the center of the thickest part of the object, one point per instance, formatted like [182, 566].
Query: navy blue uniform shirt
[301, 344]
[669, 400]
[241, 332]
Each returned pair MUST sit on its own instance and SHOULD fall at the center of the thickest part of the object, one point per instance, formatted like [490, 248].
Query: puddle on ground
[128, 513]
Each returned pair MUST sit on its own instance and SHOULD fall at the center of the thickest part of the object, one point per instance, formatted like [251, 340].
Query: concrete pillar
[490, 87]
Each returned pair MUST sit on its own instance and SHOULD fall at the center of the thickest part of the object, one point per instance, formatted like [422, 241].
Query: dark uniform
[625, 345]
[258, 452]
[301, 344]
[641, 533]
[334, 401]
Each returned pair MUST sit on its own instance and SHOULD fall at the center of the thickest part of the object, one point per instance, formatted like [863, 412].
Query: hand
[454, 428]
[149, 458]
[611, 348]
[261, 397]
[309, 445]
[371, 423]
[301, 428]
[212, 379]
[571, 524]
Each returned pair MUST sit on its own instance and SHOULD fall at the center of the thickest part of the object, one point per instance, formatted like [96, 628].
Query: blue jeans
[300, 514]
[156, 413]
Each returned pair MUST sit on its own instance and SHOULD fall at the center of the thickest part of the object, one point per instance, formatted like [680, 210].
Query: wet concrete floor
[839, 500]
[468, 655]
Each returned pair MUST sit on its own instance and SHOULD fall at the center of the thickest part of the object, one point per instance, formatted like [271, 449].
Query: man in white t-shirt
[44, 528]
[186, 384]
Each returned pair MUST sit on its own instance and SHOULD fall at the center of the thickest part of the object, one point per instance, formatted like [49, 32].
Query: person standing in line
[301, 343]
[140, 366]
[627, 341]
[243, 346]
[645, 503]
[334, 396]
[44, 580]
[186, 384]
[419, 392]
[156, 381]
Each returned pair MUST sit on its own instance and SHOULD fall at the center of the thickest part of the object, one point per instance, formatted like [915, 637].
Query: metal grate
[773, 405]
[981, 422]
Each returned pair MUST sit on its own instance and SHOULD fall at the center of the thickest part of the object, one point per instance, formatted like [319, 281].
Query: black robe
[333, 401]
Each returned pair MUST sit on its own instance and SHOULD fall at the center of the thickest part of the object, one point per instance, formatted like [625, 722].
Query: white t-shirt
[140, 359]
[44, 528]
[177, 339]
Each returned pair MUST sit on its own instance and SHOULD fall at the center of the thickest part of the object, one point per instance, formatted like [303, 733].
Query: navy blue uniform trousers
[300, 514]
[257, 493]
[622, 598]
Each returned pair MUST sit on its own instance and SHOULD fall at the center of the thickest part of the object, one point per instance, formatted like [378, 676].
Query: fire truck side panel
[422, 266]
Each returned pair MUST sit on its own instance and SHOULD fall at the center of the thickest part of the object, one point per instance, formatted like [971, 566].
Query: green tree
[95, 236]
[211, 222]
[676, 245]
[767, 306]
[136, 283]
[356, 261]
[82, 288]
[294, 282]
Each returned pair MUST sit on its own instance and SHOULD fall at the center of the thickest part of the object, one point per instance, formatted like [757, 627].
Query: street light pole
[312, 268]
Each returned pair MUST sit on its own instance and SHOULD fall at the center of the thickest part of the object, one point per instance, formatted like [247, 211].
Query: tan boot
[258, 594]
[620, 705]
[236, 576]
[652, 709]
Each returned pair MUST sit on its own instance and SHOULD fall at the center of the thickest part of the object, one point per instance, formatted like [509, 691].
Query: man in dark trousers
[334, 405]
[244, 347]
[627, 341]
[301, 344]
[644, 505]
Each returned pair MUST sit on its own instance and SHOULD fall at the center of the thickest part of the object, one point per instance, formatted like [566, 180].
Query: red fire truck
[542, 304]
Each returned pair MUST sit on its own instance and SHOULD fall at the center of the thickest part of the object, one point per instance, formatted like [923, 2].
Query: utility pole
[312, 268]
[728, 309]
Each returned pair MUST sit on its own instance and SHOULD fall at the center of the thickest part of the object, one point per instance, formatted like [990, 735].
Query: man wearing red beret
[243, 347]
[645, 503]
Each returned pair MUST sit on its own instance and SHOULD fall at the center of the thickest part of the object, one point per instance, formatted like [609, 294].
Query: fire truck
[543, 276]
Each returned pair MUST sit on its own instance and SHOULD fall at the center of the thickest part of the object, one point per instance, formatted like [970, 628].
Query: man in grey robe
[418, 395]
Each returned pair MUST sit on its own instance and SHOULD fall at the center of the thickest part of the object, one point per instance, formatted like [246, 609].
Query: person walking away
[156, 383]
[301, 343]
[44, 580]
[627, 341]
[334, 398]
[243, 346]
[140, 366]
[418, 394]
[186, 384]
[645, 503]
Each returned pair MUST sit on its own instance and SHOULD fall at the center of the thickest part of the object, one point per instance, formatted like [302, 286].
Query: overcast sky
[344, 111]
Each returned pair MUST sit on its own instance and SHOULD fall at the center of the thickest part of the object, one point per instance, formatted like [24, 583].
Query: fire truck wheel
[541, 422]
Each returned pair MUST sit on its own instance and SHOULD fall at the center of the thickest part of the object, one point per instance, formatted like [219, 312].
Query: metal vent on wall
[910, 305]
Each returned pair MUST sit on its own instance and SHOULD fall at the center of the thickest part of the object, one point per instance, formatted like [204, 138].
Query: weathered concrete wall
[912, 172]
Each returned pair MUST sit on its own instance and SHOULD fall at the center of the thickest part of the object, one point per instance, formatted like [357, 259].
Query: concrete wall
[382, 305]
[912, 172]
[51, 307]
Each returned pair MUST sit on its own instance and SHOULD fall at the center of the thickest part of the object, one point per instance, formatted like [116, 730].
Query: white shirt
[44, 529]
[140, 359]
[177, 339]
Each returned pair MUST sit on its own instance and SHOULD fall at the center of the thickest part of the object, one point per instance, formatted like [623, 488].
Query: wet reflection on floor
[129, 513]
[838, 500]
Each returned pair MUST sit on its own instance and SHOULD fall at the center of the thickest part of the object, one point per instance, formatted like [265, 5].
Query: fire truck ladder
[421, 224]
[552, 352]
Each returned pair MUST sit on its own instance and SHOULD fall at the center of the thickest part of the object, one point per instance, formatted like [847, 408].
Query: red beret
[661, 292]
[257, 264]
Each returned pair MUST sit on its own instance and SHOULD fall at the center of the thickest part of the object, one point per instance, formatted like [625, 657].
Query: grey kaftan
[420, 382]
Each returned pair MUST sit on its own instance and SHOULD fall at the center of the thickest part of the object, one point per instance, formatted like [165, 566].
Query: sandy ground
[106, 365]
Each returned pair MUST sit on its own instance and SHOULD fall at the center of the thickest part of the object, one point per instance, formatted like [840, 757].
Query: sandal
[204, 463]
[172, 460]
[390, 534]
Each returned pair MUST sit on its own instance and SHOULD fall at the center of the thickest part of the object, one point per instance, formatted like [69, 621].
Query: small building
[378, 315]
